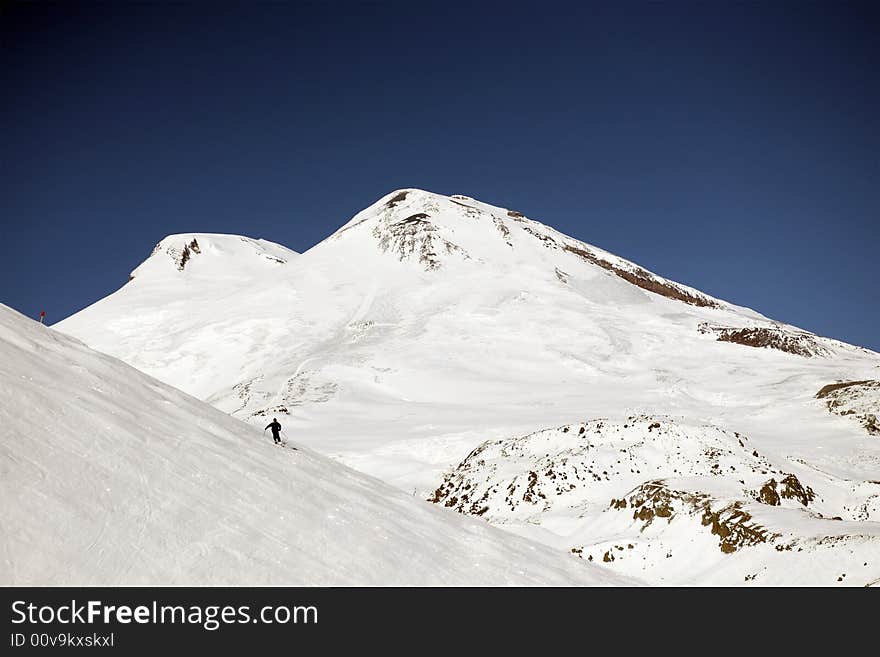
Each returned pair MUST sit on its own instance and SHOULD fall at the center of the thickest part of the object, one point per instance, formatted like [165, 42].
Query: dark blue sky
[733, 147]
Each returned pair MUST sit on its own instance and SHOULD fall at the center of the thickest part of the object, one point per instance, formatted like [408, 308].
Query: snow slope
[429, 324]
[110, 477]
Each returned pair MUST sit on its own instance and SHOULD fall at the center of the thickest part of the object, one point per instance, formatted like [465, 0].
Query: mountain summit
[212, 255]
[433, 231]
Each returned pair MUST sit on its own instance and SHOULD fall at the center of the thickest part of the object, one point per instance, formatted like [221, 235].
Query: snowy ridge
[108, 477]
[187, 252]
[431, 228]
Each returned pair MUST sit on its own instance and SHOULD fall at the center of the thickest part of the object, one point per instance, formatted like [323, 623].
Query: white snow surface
[430, 324]
[110, 477]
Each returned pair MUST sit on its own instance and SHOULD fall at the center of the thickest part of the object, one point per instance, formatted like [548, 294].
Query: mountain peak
[210, 254]
[435, 231]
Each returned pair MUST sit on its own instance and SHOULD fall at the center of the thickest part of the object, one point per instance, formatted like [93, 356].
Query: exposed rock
[653, 500]
[182, 256]
[832, 387]
[397, 198]
[503, 230]
[416, 236]
[645, 279]
[275, 410]
[734, 527]
[548, 241]
[792, 488]
[731, 523]
[575, 464]
[859, 400]
[789, 488]
[768, 494]
[799, 343]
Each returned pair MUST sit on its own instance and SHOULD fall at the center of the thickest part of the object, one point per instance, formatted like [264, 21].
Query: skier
[276, 430]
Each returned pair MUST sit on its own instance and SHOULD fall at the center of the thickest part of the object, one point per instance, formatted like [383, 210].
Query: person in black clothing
[276, 430]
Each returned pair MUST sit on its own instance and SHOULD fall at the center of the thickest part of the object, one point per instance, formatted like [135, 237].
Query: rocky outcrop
[561, 468]
[773, 493]
[859, 400]
[730, 522]
[792, 341]
[646, 280]
[415, 236]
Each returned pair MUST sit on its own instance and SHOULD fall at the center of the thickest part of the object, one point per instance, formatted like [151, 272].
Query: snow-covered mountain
[428, 325]
[109, 477]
